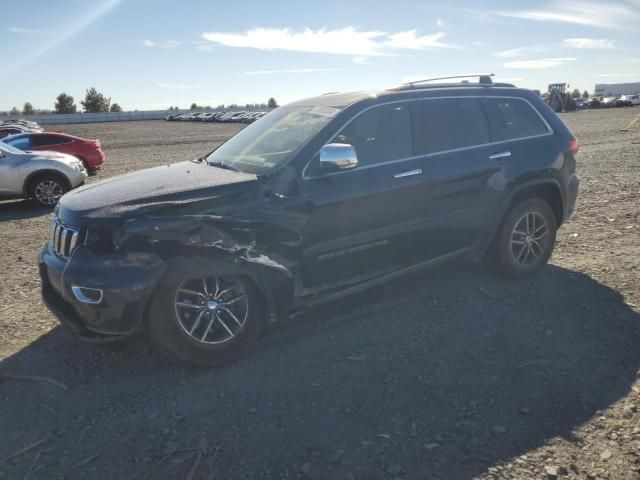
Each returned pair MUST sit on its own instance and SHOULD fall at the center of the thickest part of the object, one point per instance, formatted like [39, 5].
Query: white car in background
[631, 100]
[41, 176]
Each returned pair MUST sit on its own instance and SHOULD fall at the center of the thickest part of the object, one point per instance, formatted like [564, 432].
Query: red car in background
[88, 151]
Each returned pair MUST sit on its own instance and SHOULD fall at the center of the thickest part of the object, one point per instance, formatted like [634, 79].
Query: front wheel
[47, 189]
[526, 239]
[206, 321]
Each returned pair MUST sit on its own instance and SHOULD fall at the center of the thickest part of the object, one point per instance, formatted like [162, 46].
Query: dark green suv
[316, 200]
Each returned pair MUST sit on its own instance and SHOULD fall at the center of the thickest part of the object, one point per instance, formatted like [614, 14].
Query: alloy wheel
[48, 192]
[212, 310]
[529, 238]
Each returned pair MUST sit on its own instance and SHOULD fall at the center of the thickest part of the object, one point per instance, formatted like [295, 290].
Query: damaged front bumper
[124, 282]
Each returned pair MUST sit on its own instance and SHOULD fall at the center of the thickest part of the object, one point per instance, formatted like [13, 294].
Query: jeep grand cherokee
[316, 200]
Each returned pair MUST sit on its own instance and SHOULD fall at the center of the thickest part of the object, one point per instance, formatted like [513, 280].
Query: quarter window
[447, 124]
[22, 143]
[380, 134]
[511, 118]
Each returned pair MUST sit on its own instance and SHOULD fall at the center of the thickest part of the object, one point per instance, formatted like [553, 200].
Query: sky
[152, 54]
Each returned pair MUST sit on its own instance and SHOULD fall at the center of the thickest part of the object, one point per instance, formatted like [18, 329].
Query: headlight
[100, 240]
[77, 166]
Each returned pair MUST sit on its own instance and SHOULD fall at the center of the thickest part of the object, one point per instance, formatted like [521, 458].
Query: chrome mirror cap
[338, 156]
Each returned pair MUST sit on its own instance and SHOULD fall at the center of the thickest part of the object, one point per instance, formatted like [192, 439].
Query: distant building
[614, 89]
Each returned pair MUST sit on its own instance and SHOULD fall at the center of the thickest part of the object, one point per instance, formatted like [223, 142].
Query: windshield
[272, 140]
[10, 149]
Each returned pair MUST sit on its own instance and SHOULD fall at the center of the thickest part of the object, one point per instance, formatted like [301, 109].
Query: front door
[10, 177]
[360, 222]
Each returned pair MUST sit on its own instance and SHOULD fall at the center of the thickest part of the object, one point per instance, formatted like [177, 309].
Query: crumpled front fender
[201, 245]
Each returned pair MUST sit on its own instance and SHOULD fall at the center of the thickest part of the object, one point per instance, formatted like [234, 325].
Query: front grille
[64, 238]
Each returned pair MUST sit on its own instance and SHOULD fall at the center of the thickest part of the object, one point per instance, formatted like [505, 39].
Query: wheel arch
[547, 190]
[274, 286]
[38, 173]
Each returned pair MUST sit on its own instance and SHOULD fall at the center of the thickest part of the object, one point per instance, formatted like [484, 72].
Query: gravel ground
[450, 374]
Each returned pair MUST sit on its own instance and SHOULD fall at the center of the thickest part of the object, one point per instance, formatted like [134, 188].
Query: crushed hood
[151, 190]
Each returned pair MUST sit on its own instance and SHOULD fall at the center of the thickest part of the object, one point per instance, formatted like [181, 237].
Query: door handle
[496, 156]
[408, 173]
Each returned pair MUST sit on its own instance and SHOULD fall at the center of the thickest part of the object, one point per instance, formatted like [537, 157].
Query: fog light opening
[92, 296]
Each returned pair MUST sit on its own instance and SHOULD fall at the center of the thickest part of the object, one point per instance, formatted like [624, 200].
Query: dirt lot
[451, 374]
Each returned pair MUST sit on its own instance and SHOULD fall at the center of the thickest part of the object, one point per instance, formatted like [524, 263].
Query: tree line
[94, 102]
[271, 103]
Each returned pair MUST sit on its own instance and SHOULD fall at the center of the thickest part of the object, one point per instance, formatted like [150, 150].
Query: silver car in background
[42, 176]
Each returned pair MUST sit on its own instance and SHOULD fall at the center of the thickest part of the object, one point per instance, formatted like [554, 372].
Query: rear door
[461, 174]
[523, 133]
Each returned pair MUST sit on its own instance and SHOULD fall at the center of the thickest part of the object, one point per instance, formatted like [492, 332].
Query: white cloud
[512, 53]
[360, 60]
[295, 70]
[538, 64]
[178, 86]
[343, 41]
[29, 31]
[165, 44]
[440, 23]
[411, 41]
[596, 43]
[607, 15]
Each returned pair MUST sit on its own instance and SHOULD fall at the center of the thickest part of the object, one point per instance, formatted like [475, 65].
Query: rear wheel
[206, 321]
[526, 239]
[47, 189]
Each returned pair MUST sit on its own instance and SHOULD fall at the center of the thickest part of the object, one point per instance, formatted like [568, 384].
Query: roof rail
[483, 78]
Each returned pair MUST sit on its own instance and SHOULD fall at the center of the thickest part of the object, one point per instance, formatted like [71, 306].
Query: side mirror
[335, 157]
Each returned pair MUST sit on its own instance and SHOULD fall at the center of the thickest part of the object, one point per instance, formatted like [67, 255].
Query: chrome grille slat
[74, 241]
[63, 242]
[56, 243]
[64, 239]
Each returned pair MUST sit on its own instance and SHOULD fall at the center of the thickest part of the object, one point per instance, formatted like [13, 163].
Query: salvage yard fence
[52, 118]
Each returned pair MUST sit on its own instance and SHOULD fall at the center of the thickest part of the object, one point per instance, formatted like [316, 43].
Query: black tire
[47, 188]
[167, 335]
[508, 256]
[90, 170]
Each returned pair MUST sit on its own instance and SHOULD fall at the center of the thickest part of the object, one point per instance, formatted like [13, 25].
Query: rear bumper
[126, 282]
[94, 160]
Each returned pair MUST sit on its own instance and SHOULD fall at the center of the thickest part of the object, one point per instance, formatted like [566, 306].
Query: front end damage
[123, 271]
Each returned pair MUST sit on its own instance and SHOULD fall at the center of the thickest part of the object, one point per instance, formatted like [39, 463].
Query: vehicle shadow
[21, 209]
[439, 375]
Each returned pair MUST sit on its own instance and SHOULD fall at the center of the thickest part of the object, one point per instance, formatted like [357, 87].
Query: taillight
[574, 146]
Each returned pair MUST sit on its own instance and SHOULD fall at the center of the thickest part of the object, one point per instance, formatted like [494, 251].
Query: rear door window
[512, 118]
[380, 134]
[448, 124]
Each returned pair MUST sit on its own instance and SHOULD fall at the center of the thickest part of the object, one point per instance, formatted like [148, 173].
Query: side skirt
[315, 297]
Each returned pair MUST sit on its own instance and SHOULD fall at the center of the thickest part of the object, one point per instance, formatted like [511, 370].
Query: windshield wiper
[223, 165]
